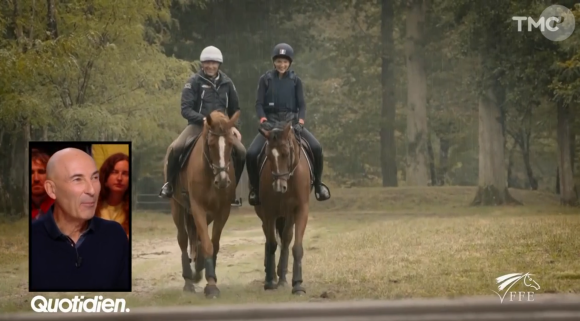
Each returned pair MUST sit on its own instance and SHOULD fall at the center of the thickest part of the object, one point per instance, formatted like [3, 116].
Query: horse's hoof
[189, 287]
[298, 290]
[270, 286]
[197, 276]
[211, 291]
[282, 283]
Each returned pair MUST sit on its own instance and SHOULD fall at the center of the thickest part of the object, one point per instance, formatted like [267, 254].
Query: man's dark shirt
[99, 260]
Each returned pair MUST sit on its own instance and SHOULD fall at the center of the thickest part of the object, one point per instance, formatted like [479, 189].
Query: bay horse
[203, 194]
[285, 186]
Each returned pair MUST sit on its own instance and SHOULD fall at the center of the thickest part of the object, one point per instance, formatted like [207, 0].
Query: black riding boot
[321, 191]
[167, 189]
[239, 164]
[254, 197]
[239, 169]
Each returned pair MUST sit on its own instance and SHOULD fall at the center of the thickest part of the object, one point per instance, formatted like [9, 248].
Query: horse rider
[206, 91]
[280, 93]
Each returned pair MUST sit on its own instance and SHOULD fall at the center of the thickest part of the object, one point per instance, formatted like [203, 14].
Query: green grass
[362, 244]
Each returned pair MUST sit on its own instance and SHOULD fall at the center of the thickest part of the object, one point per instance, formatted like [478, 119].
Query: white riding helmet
[211, 53]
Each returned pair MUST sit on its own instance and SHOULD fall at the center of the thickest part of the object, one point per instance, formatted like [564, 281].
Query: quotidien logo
[41, 304]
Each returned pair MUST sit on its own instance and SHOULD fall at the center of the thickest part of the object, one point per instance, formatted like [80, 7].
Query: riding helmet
[283, 50]
[211, 53]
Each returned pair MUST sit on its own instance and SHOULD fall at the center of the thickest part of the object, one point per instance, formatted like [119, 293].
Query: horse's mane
[219, 121]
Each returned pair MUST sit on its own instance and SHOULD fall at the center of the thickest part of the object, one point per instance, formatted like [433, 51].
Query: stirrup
[255, 201]
[166, 191]
[320, 187]
[237, 202]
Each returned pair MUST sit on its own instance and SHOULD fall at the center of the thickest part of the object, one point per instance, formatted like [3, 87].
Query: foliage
[113, 70]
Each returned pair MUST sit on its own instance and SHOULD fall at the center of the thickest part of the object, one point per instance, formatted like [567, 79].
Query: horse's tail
[280, 223]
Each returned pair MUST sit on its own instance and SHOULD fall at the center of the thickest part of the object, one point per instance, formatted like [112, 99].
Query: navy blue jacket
[100, 261]
[200, 96]
[277, 94]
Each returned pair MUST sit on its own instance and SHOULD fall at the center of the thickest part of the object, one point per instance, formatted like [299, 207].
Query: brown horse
[203, 193]
[285, 186]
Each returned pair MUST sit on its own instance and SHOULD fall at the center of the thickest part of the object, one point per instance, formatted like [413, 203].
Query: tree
[417, 172]
[388, 108]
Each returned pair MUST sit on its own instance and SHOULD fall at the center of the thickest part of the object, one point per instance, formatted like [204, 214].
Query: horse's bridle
[286, 175]
[215, 168]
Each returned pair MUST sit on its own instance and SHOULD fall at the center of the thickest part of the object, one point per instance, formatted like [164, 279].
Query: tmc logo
[506, 282]
[556, 23]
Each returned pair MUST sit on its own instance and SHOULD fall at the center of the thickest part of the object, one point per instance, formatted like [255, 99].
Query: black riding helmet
[283, 50]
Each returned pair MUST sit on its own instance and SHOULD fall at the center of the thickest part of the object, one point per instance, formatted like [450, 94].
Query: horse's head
[219, 140]
[282, 154]
[529, 282]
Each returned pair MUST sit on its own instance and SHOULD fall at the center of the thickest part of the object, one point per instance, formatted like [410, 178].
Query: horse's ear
[234, 118]
[287, 129]
[208, 120]
[264, 133]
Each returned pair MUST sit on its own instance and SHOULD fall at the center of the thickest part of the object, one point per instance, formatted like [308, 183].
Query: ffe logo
[506, 282]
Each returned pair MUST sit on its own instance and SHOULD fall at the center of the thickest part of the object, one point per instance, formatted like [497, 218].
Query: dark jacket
[200, 96]
[99, 261]
[280, 95]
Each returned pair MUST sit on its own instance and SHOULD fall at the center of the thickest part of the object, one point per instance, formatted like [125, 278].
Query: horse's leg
[301, 219]
[200, 218]
[180, 220]
[265, 257]
[194, 248]
[284, 227]
[199, 261]
[219, 223]
[270, 252]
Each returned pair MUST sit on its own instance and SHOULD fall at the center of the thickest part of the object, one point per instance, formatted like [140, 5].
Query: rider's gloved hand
[263, 119]
[298, 128]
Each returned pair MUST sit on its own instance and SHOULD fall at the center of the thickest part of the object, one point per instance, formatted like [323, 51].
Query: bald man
[70, 248]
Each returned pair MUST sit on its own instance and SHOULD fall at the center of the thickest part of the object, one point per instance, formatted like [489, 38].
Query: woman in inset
[114, 197]
[280, 92]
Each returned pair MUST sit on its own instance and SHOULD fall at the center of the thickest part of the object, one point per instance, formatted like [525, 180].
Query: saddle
[304, 148]
[187, 149]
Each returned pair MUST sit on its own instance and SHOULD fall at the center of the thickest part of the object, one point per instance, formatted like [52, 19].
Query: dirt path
[157, 262]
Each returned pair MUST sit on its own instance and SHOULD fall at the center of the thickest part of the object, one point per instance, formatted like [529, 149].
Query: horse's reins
[215, 168]
[289, 174]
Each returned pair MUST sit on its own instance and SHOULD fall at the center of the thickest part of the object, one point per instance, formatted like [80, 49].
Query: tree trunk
[558, 180]
[522, 138]
[417, 135]
[443, 160]
[26, 185]
[15, 22]
[529, 172]
[15, 187]
[388, 108]
[432, 171]
[51, 25]
[511, 181]
[492, 172]
[567, 189]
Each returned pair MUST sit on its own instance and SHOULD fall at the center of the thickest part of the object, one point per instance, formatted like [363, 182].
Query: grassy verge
[361, 244]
